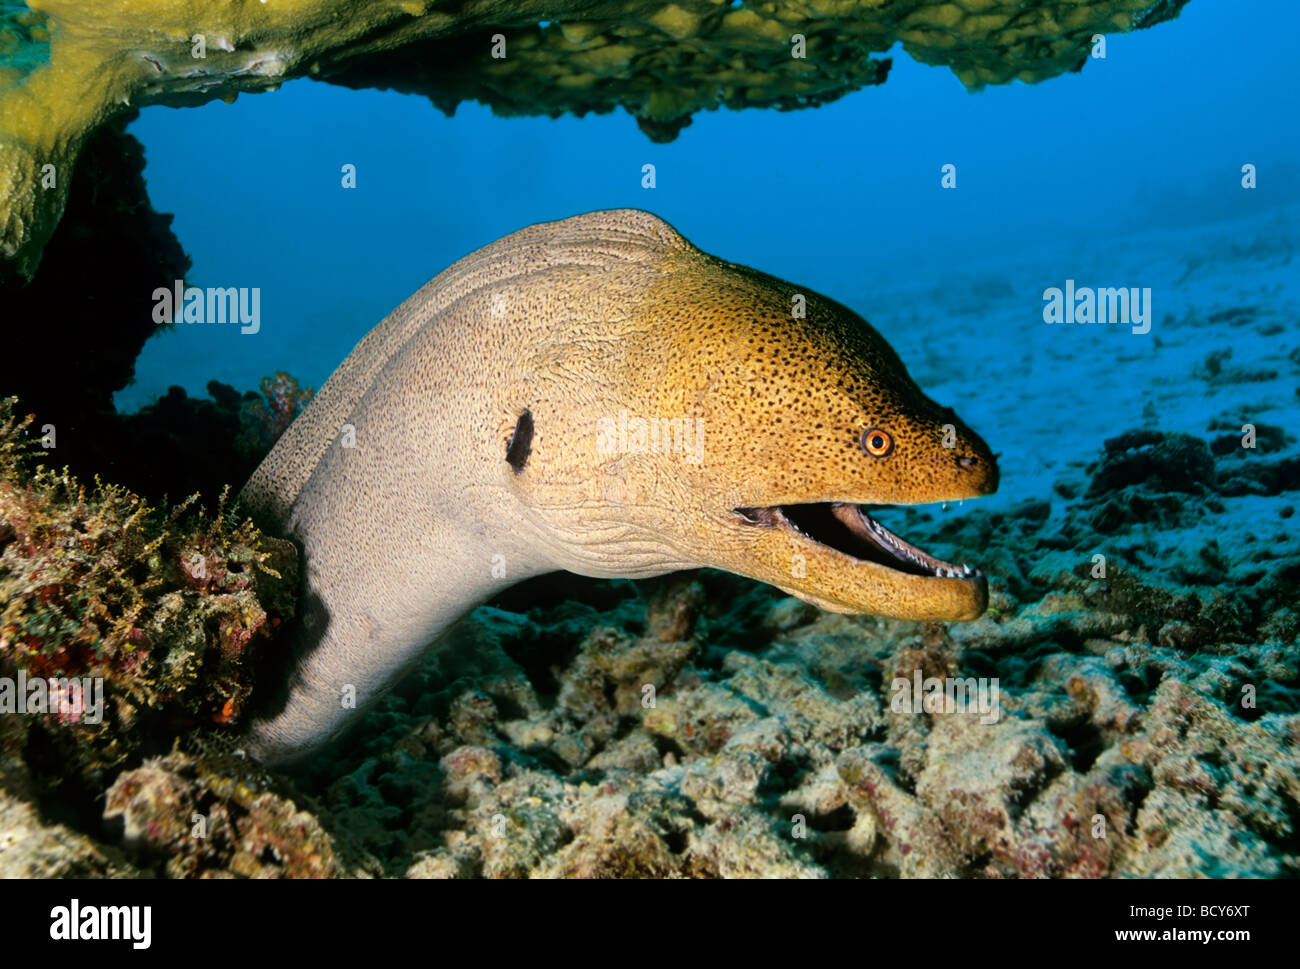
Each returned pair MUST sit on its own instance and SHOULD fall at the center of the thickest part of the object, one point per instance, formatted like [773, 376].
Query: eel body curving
[597, 395]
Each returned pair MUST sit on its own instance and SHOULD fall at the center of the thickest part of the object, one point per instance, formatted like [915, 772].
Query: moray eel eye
[876, 442]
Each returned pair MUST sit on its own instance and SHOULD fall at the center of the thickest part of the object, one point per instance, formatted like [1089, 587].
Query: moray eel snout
[836, 555]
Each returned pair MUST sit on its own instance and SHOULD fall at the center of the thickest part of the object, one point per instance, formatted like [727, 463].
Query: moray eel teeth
[848, 529]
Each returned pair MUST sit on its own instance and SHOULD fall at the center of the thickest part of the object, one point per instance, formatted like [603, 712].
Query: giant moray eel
[479, 435]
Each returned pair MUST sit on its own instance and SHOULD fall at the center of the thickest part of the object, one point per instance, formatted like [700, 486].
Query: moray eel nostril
[679, 415]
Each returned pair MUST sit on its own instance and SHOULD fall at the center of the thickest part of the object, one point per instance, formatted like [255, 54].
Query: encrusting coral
[170, 611]
[263, 419]
[68, 66]
[169, 608]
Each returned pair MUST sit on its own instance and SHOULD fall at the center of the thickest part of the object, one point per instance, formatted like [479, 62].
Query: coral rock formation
[67, 66]
[168, 609]
[203, 822]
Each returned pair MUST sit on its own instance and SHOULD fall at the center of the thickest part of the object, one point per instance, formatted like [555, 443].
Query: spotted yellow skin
[784, 401]
[423, 517]
[799, 393]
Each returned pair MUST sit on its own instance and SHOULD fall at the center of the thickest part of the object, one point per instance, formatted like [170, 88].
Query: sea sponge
[70, 65]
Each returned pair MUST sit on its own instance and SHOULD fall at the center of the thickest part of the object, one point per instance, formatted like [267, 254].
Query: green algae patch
[69, 66]
[143, 623]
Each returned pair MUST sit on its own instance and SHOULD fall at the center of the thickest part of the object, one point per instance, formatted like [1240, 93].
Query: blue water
[838, 198]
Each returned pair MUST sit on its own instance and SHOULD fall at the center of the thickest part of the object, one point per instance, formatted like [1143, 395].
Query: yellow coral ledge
[66, 66]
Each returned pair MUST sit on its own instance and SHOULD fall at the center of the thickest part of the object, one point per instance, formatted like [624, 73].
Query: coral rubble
[1148, 719]
[201, 819]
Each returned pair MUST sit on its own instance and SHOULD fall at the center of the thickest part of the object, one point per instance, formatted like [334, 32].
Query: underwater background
[1122, 692]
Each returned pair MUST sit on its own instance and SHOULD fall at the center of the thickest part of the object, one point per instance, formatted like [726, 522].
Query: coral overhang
[68, 66]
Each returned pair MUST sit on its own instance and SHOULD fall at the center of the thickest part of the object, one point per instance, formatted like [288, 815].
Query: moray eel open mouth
[848, 529]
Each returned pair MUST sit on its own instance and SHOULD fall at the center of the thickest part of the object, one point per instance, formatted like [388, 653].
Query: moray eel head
[795, 416]
[822, 417]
